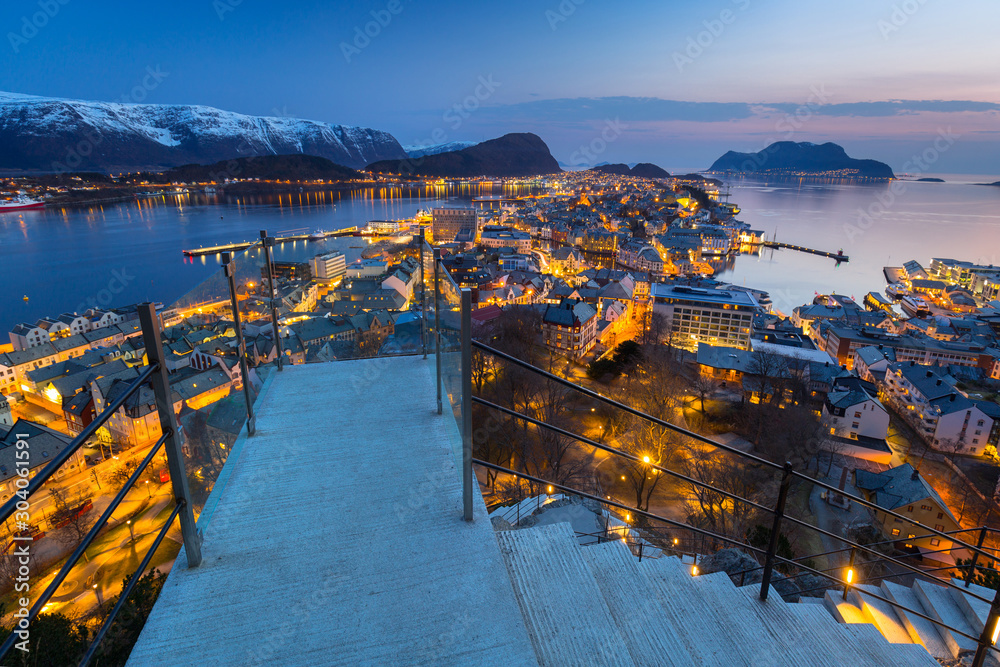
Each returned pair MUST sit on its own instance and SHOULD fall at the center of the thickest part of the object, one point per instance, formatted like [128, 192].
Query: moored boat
[20, 203]
[896, 291]
[915, 306]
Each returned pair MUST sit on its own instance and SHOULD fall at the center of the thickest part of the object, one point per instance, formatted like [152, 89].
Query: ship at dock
[20, 202]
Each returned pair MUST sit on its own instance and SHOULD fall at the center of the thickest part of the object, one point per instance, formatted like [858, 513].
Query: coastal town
[602, 275]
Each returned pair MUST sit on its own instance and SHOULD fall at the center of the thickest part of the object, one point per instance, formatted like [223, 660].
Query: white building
[850, 413]
[25, 336]
[716, 317]
[401, 282]
[944, 417]
[366, 268]
[328, 267]
[504, 238]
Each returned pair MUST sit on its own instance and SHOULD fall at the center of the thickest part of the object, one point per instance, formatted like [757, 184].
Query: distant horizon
[687, 82]
[608, 156]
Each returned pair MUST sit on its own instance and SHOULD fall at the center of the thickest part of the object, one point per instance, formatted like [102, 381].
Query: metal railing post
[850, 570]
[168, 424]
[268, 242]
[230, 271]
[779, 512]
[989, 635]
[467, 403]
[975, 557]
[423, 296]
[437, 322]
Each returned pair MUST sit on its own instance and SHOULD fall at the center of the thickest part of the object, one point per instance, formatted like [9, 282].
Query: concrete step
[921, 630]
[563, 608]
[650, 636]
[880, 652]
[975, 610]
[805, 599]
[774, 634]
[700, 626]
[881, 614]
[940, 606]
[805, 639]
[844, 611]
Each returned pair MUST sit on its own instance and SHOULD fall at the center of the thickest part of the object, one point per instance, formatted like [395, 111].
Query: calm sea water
[67, 259]
[875, 225]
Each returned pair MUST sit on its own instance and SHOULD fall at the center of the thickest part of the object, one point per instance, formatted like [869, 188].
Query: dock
[839, 255]
[243, 245]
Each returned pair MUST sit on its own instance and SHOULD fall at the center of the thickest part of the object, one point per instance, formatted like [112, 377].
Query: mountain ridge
[640, 170]
[55, 134]
[512, 155]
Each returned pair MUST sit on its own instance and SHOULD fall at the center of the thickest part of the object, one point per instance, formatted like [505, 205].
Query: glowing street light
[131, 532]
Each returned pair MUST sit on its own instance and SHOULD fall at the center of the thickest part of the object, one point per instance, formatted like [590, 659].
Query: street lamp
[148, 494]
[131, 532]
[100, 598]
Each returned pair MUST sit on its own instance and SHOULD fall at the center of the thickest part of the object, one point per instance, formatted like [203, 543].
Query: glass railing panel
[449, 343]
[55, 520]
[201, 347]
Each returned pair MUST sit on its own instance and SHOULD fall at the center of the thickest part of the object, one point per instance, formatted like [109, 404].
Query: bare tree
[117, 476]
[714, 509]
[791, 433]
[653, 445]
[704, 386]
[67, 509]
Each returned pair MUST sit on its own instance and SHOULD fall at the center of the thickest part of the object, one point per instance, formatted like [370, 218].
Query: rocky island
[802, 159]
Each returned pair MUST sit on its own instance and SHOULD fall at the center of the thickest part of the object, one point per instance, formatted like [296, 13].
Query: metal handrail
[617, 452]
[836, 580]
[615, 503]
[86, 542]
[622, 406]
[38, 480]
[877, 544]
[133, 580]
[156, 374]
[730, 449]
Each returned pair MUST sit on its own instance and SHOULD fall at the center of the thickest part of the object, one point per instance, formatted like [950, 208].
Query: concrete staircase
[599, 605]
[947, 605]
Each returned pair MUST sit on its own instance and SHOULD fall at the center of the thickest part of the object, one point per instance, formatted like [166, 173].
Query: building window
[895, 532]
[935, 542]
[910, 536]
[910, 508]
[926, 507]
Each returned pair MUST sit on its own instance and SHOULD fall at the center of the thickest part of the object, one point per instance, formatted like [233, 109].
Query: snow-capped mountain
[48, 134]
[421, 151]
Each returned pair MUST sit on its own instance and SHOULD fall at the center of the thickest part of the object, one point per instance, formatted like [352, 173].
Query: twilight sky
[676, 83]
